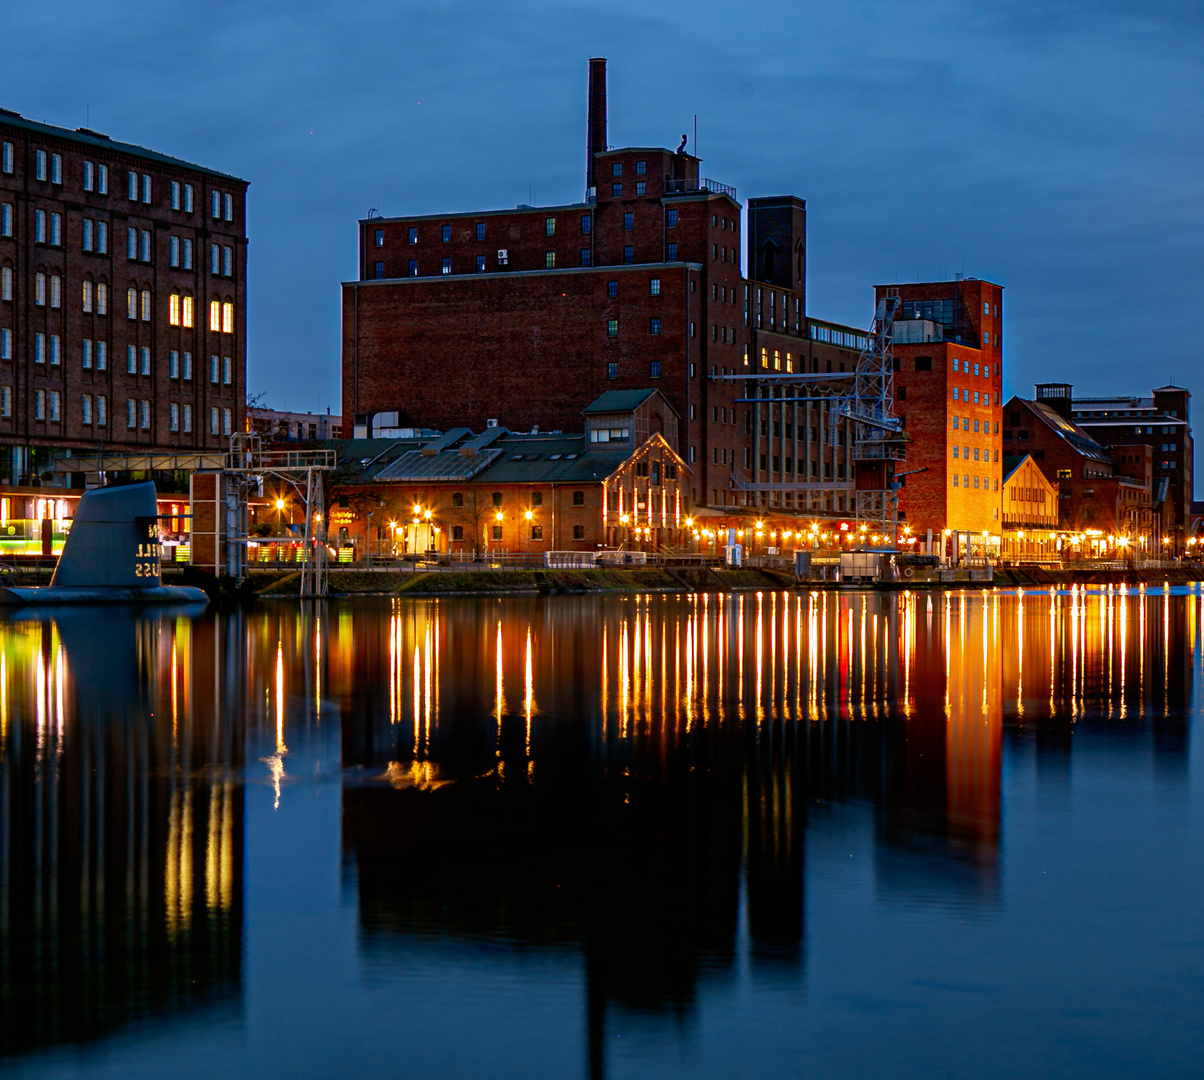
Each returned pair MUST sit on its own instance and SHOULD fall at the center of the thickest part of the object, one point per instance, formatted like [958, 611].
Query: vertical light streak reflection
[529, 695]
[275, 763]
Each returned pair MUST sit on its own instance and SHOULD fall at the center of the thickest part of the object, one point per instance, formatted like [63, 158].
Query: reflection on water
[627, 781]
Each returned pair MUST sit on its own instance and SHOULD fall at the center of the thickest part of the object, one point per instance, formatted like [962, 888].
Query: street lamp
[529, 516]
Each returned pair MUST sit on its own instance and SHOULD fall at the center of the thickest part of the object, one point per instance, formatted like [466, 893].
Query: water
[772, 834]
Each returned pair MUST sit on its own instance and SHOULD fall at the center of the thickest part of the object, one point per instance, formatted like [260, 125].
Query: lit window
[102, 298]
[612, 327]
[6, 283]
[549, 226]
[227, 318]
[378, 237]
[215, 315]
[447, 266]
[412, 235]
[146, 305]
[549, 260]
[188, 311]
[173, 309]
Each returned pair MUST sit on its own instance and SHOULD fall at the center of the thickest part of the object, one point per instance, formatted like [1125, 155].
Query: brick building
[1103, 492]
[521, 317]
[948, 346]
[1161, 422]
[122, 299]
[277, 426]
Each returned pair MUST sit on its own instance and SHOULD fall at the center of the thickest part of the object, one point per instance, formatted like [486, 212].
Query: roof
[1078, 440]
[88, 137]
[1011, 462]
[614, 401]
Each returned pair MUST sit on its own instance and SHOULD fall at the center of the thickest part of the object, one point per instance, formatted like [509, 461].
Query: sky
[1053, 147]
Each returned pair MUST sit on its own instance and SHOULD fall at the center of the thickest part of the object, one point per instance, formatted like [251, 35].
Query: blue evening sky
[1054, 147]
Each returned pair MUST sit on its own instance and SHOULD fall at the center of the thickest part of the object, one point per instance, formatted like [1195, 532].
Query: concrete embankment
[285, 584]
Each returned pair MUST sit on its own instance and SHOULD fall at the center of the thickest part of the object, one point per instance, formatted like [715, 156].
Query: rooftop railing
[700, 183]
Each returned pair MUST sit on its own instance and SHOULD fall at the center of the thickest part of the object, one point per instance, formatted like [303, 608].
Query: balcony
[701, 183]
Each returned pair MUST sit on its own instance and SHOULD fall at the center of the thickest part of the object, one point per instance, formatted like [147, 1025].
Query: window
[188, 198]
[956, 450]
[102, 409]
[612, 288]
[186, 368]
[228, 260]
[39, 289]
[6, 283]
[86, 408]
[446, 234]
[227, 421]
[55, 403]
[654, 287]
[56, 291]
[6, 158]
[616, 191]
[215, 204]
[173, 309]
[39, 226]
[975, 369]
[378, 270]
[102, 237]
[102, 181]
[578, 498]
[412, 235]
[39, 348]
[146, 188]
[227, 370]
[85, 353]
[173, 421]
[447, 266]
[39, 404]
[213, 421]
[671, 252]
[496, 532]
[6, 219]
[227, 318]
[146, 305]
[189, 314]
[173, 364]
[56, 168]
[6, 344]
[654, 326]
[145, 414]
[378, 238]
[586, 257]
[133, 189]
[587, 224]
[56, 229]
[654, 369]
[616, 168]
[536, 532]
[549, 260]
[480, 264]
[612, 370]
[131, 244]
[56, 350]
[214, 259]
[641, 188]
[549, 227]
[102, 356]
[412, 268]
[670, 219]
[131, 359]
[146, 360]
[628, 254]
[187, 418]
[612, 327]
[229, 207]
[628, 222]
[40, 165]
[175, 194]
[173, 251]
[955, 480]
[214, 369]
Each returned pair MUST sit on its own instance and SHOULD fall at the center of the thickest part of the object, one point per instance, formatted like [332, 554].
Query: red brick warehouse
[523, 316]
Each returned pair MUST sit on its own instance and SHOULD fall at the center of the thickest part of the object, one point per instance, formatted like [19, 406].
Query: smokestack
[595, 129]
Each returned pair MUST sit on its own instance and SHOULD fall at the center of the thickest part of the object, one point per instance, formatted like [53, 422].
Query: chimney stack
[595, 130]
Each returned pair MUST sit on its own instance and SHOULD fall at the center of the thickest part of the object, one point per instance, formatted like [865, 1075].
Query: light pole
[528, 515]
[368, 536]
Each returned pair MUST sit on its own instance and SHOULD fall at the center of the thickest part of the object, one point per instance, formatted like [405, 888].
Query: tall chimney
[595, 129]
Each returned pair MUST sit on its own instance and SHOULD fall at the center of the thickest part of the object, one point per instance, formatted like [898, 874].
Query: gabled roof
[103, 143]
[616, 401]
[1074, 436]
[1011, 462]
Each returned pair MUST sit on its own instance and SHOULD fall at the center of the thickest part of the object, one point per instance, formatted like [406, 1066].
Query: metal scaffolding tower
[878, 439]
[248, 465]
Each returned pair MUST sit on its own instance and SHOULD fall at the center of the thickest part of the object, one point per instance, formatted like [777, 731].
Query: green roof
[616, 401]
[87, 137]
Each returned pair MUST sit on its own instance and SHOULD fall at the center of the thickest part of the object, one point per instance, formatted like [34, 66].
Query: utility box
[802, 564]
[733, 554]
